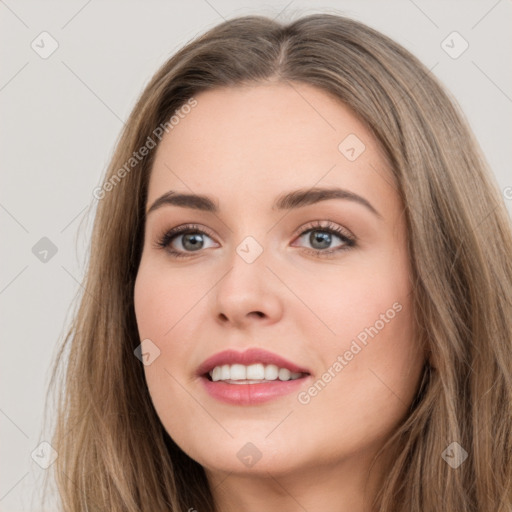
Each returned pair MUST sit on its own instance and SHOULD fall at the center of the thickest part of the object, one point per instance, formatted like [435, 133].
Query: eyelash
[349, 241]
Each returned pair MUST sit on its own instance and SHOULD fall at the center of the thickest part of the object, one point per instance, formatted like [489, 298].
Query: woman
[299, 290]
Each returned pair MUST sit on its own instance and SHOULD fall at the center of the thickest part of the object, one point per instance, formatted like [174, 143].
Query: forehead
[263, 139]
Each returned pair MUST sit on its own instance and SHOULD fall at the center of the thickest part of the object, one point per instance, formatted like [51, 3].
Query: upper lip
[248, 357]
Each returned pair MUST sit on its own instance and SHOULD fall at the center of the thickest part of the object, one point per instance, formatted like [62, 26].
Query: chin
[247, 455]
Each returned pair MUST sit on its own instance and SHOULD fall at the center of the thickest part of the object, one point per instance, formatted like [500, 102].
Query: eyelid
[326, 224]
[164, 241]
[181, 229]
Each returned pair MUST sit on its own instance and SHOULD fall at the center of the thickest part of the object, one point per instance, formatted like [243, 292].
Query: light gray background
[62, 115]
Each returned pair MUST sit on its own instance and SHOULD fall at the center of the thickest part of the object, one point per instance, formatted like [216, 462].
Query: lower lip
[250, 394]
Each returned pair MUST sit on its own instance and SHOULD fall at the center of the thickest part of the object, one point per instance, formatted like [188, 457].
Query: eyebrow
[288, 201]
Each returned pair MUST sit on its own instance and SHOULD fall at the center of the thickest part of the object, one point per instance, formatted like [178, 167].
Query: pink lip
[250, 356]
[249, 394]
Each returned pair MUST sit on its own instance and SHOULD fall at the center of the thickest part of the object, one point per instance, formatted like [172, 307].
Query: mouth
[251, 374]
[250, 377]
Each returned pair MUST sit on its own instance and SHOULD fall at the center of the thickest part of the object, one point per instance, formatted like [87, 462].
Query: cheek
[163, 299]
[369, 293]
[161, 304]
[365, 387]
[159, 307]
[371, 359]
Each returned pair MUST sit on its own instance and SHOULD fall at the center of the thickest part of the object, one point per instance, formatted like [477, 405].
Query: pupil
[322, 237]
[194, 240]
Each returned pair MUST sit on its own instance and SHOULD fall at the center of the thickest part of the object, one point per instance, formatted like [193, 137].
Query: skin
[245, 146]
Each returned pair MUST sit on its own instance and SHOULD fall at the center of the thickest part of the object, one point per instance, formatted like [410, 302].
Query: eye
[184, 240]
[322, 237]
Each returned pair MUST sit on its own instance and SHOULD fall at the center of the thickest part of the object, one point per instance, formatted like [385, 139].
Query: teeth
[216, 373]
[238, 372]
[284, 374]
[253, 373]
[225, 372]
[271, 372]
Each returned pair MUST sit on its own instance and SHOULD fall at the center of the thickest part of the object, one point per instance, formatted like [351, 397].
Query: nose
[248, 294]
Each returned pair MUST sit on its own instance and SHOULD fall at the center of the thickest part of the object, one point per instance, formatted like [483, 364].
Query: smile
[251, 377]
[252, 374]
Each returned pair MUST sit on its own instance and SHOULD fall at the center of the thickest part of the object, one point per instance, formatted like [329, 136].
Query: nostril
[224, 318]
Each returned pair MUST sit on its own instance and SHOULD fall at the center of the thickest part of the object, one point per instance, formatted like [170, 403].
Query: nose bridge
[248, 287]
[247, 268]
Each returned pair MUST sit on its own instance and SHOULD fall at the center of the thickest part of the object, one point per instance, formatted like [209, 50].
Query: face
[299, 304]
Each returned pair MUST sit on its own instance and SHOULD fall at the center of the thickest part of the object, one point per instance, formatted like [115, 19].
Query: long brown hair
[113, 452]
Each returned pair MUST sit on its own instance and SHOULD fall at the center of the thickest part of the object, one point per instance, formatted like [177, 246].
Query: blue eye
[188, 239]
[321, 237]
